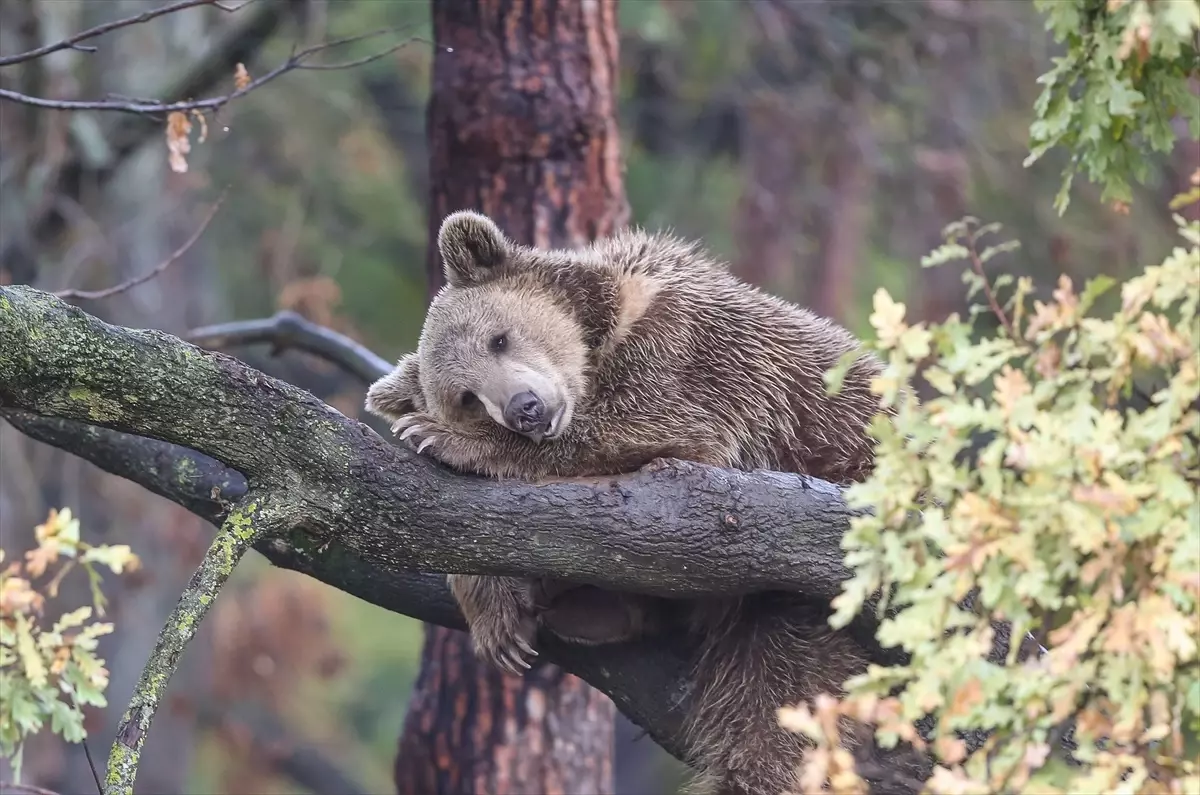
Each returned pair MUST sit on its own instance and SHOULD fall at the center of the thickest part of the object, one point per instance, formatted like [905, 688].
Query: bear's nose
[525, 412]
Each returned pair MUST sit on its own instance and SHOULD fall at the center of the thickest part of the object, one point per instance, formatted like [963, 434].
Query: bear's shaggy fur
[536, 364]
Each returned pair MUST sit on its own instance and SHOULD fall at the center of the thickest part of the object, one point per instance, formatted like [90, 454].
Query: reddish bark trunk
[522, 127]
[522, 121]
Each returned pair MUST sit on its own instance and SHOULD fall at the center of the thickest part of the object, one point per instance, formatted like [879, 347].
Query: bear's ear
[399, 392]
[472, 247]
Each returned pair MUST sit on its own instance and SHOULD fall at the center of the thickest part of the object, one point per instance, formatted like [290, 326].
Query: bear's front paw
[420, 431]
[504, 637]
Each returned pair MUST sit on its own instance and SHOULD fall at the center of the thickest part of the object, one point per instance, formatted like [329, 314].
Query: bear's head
[499, 345]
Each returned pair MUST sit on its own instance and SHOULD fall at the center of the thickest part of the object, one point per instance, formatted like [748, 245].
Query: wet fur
[663, 354]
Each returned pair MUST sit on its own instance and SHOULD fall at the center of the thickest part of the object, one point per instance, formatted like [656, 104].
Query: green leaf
[940, 380]
[67, 721]
[1095, 288]
[1122, 96]
[31, 657]
[836, 375]
[73, 619]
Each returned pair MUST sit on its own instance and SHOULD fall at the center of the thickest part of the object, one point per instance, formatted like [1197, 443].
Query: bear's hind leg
[501, 615]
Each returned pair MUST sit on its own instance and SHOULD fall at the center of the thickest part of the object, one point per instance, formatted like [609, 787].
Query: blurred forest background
[818, 146]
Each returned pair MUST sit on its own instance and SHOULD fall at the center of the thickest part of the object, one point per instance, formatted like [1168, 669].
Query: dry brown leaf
[178, 142]
[1010, 386]
[39, 559]
[199, 117]
[17, 596]
[966, 697]
[241, 78]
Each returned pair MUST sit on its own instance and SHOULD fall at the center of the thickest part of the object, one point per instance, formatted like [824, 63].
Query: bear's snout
[525, 413]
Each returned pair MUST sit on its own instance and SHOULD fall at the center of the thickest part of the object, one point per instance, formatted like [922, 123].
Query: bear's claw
[415, 425]
[508, 646]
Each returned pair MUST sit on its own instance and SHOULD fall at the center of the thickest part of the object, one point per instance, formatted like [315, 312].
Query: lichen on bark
[382, 523]
[248, 523]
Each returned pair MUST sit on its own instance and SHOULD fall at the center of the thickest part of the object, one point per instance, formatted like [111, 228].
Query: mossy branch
[254, 519]
[680, 530]
[372, 519]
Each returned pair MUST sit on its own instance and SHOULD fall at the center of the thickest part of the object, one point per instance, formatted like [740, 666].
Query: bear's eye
[498, 343]
[467, 399]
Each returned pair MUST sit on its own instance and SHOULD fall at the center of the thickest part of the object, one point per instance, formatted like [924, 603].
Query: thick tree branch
[367, 513]
[682, 530]
[645, 679]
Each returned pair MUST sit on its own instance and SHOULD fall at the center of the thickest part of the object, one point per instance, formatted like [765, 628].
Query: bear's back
[731, 361]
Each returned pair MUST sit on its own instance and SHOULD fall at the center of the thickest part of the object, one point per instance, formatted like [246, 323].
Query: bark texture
[522, 120]
[521, 126]
[368, 517]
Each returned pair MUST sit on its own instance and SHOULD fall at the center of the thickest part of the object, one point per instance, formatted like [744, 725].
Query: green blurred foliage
[1110, 98]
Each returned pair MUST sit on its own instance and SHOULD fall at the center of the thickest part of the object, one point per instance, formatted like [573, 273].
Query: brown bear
[535, 364]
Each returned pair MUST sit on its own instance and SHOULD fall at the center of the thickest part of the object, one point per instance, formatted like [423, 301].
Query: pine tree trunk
[522, 127]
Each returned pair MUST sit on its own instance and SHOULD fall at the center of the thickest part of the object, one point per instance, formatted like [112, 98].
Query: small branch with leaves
[50, 668]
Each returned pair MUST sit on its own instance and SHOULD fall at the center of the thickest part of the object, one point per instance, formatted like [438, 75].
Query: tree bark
[522, 120]
[202, 429]
[522, 127]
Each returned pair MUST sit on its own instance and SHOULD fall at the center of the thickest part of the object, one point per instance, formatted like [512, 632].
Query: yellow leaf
[1112, 501]
[940, 380]
[59, 526]
[1048, 360]
[950, 749]
[17, 597]
[1138, 290]
[1045, 316]
[888, 318]
[31, 659]
[1065, 295]
[915, 341]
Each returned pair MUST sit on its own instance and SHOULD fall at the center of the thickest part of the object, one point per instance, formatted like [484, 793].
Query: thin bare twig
[91, 295]
[289, 330]
[87, 752]
[997, 310]
[25, 789]
[295, 62]
[72, 42]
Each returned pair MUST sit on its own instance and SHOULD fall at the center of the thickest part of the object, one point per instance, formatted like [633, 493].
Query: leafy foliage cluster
[49, 675]
[1110, 98]
[1076, 518]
